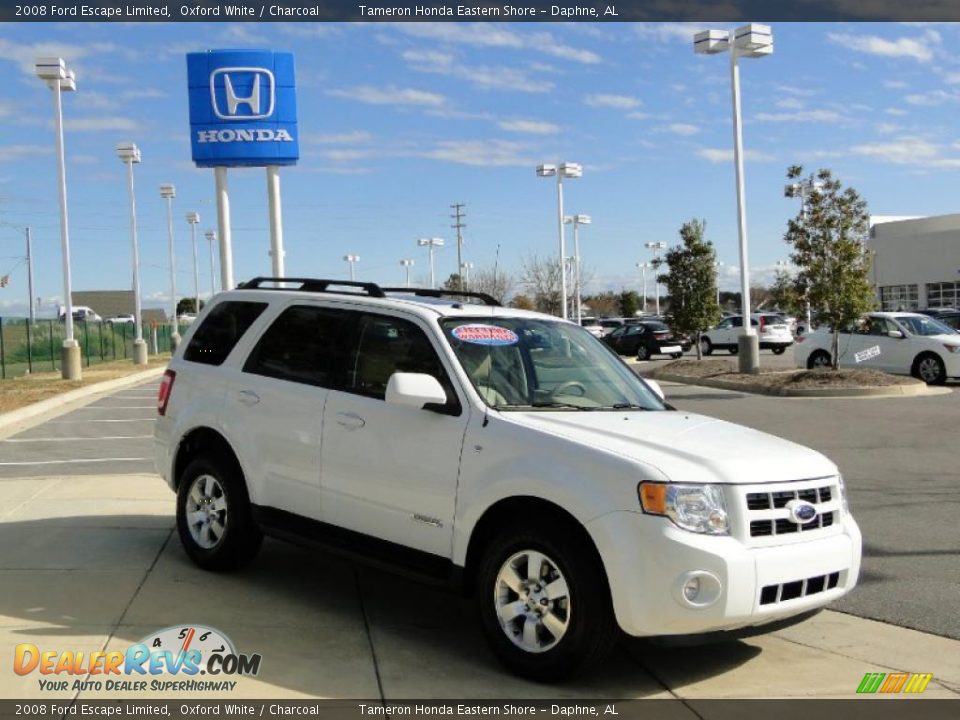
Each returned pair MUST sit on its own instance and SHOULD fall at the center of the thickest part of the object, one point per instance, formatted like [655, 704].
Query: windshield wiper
[626, 406]
[544, 404]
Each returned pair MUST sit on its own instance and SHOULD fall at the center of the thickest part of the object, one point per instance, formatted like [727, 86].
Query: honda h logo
[244, 93]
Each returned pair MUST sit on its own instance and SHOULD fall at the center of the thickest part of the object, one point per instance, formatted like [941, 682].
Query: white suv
[774, 334]
[506, 453]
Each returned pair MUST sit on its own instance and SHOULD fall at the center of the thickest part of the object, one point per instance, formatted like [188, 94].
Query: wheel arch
[197, 442]
[915, 365]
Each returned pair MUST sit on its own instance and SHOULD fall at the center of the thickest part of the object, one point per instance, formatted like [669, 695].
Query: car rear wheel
[544, 604]
[779, 350]
[643, 353]
[677, 356]
[706, 347]
[733, 350]
[214, 519]
[818, 359]
[930, 368]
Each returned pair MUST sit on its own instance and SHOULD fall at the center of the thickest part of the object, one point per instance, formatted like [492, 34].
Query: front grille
[783, 526]
[770, 500]
[768, 503]
[794, 589]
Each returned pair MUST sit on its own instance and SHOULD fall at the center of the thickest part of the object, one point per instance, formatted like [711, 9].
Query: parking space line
[118, 407]
[67, 422]
[76, 439]
[79, 460]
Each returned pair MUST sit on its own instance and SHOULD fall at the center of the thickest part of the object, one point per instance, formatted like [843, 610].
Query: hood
[685, 447]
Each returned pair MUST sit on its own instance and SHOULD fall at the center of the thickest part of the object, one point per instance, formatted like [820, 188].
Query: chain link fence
[27, 347]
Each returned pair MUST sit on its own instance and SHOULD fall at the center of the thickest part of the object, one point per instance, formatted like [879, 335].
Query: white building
[916, 261]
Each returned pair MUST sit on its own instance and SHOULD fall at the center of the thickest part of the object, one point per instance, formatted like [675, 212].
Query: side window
[300, 346]
[736, 322]
[385, 345]
[221, 330]
[619, 331]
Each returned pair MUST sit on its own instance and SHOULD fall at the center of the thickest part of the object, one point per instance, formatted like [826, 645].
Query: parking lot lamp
[561, 171]
[129, 155]
[655, 248]
[432, 244]
[465, 268]
[748, 41]
[59, 78]
[407, 264]
[352, 260]
[211, 236]
[194, 219]
[643, 269]
[577, 221]
[718, 264]
[168, 192]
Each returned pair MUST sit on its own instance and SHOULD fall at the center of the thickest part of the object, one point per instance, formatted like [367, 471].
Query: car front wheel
[544, 604]
[706, 347]
[643, 353]
[779, 350]
[818, 359]
[930, 369]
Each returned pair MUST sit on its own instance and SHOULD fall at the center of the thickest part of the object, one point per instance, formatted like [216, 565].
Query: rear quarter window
[221, 330]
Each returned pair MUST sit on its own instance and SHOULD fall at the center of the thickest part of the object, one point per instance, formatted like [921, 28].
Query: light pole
[61, 79]
[749, 41]
[569, 170]
[352, 260]
[718, 264]
[577, 221]
[168, 192]
[407, 264]
[465, 268]
[211, 236]
[801, 190]
[129, 155]
[194, 219]
[643, 269]
[655, 248]
[431, 243]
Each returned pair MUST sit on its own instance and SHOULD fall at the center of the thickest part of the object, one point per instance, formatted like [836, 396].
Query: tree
[605, 304]
[691, 282]
[494, 282]
[784, 295]
[828, 238]
[522, 302]
[188, 305]
[542, 280]
[629, 302]
[452, 282]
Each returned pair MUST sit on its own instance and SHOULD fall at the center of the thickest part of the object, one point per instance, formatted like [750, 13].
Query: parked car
[610, 324]
[186, 318]
[895, 342]
[81, 313]
[948, 316]
[121, 320]
[774, 334]
[448, 440]
[646, 339]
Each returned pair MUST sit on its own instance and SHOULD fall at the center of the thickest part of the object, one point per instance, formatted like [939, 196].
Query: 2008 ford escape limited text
[507, 453]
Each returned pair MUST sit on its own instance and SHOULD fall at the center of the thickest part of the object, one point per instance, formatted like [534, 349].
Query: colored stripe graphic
[871, 682]
[918, 682]
[894, 683]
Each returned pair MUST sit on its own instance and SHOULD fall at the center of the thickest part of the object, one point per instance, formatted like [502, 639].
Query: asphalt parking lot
[89, 560]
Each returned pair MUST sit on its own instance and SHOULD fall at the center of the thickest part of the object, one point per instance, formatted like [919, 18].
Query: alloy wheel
[532, 601]
[206, 511]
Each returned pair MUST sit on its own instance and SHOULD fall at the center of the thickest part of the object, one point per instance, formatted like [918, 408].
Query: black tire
[591, 629]
[733, 349]
[706, 347]
[779, 350]
[818, 359]
[240, 540]
[929, 367]
[643, 352]
[677, 356]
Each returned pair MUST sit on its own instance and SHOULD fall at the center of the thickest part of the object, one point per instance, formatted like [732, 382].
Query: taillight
[761, 324]
[166, 387]
[799, 339]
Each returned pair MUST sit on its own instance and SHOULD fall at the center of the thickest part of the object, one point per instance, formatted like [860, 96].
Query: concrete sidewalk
[91, 563]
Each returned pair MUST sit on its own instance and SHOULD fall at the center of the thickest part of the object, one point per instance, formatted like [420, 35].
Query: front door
[391, 471]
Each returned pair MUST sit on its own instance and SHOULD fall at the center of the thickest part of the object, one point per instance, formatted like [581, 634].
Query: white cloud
[887, 128]
[790, 103]
[899, 112]
[930, 99]
[952, 78]
[671, 31]
[349, 138]
[916, 48]
[800, 116]
[99, 124]
[497, 35]
[16, 152]
[620, 102]
[723, 155]
[483, 77]
[639, 115]
[907, 151]
[683, 129]
[533, 127]
[895, 84]
[483, 153]
[389, 96]
[25, 55]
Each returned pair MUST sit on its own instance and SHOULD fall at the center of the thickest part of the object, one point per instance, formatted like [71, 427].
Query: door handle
[350, 421]
[248, 397]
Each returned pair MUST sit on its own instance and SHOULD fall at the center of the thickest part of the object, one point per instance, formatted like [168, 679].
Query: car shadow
[325, 627]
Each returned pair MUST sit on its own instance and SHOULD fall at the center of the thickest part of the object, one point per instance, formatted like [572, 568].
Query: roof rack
[317, 285]
[435, 293]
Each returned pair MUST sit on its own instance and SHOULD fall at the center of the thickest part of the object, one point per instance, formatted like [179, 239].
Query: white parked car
[896, 342]
[505, 453]
[774, 334]
[121, 320]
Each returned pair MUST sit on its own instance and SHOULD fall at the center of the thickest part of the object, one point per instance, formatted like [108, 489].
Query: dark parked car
[948, 316]
[646, 338]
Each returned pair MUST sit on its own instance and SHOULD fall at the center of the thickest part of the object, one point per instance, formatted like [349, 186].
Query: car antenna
[486, 409]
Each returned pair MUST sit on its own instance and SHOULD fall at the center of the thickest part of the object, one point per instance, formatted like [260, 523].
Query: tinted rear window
[221, 330]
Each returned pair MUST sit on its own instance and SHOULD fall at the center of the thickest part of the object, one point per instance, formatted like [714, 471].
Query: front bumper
[648, 560]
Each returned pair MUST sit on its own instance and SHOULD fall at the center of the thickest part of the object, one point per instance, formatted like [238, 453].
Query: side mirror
[415, 390]
[895, 334]
[655, 386]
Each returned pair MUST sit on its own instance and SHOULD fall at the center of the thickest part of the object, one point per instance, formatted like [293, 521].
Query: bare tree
[541, 277]
[494, 282]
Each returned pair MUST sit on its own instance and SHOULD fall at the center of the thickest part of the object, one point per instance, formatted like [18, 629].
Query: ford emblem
[801, 511]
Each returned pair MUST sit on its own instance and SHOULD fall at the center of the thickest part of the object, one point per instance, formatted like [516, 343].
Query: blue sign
[243, 108]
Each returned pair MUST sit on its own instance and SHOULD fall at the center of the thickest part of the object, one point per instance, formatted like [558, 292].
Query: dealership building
[916, 261]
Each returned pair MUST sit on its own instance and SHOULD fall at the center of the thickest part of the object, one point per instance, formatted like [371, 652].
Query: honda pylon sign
[243, 108]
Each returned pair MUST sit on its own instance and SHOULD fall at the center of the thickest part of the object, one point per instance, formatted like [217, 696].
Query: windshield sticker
[485, 335]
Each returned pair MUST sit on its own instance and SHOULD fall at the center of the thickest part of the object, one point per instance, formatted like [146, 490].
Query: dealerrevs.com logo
[182, 651]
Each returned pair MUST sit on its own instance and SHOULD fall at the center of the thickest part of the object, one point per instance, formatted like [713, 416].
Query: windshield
[923, 325]
[529, 363]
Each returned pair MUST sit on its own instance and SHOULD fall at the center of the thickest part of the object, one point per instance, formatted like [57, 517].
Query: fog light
[691, 589]
[697, 589]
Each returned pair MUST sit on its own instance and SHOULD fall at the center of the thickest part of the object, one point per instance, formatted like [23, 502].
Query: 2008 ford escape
[506, 452]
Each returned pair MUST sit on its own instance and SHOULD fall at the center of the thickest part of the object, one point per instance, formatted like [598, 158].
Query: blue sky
[398, 121]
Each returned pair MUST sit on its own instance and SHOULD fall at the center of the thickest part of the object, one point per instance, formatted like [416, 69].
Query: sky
[399, 121]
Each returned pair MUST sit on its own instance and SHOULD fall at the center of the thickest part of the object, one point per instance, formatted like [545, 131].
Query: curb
[918, 390]
[65, 402]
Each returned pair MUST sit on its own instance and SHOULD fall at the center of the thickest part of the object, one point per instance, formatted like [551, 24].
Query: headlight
[697, 508]
[952, 348]
[843, 495]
